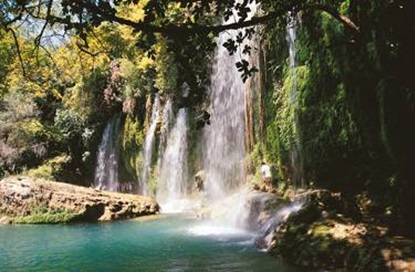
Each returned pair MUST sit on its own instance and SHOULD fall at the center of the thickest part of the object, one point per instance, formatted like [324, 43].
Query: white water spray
[167, 120]
[173, 178]
[236, 211]
[224, 149]
[148, 148]
[296, 161]
[106, 170]
[266, 231]
[250, 214]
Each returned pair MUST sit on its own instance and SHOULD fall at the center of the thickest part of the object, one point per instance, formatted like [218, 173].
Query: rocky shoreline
[30, 200]
[317, 229]
[325, 234]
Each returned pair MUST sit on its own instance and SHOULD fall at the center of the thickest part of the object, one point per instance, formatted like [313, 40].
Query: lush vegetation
[342, 118]
[58, 93]
[353, 115]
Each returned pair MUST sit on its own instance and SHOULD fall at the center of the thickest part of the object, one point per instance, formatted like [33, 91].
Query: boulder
[30, 200]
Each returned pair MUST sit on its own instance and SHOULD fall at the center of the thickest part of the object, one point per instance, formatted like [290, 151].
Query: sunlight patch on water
[212, 230]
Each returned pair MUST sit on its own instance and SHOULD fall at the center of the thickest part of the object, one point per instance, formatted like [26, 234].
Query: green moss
[131, 146]
[253, 162]
[43, 215]
[153, 181]
[289, 101]
[321, 230]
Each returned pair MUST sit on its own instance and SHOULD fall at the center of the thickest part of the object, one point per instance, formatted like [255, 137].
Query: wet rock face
[327, 233]
[23, 197]
[266, 213]
[261, 206]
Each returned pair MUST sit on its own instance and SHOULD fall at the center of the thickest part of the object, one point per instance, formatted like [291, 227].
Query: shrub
[52, 169]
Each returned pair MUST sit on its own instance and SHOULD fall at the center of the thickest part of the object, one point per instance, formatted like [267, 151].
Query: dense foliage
[342, 118]
[58, 92]
[353, 114]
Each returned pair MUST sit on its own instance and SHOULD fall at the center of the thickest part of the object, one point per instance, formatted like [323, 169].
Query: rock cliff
[29, 200]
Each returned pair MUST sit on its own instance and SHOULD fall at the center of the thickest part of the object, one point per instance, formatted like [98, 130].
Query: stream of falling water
[233, 209]
[296, 160]
[167, 120]
[148, 148]
[224, 142]
[106, 170]
[173, 166]
[236, 209]
[224, 148]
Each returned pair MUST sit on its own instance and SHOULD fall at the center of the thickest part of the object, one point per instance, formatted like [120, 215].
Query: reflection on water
[164, 243]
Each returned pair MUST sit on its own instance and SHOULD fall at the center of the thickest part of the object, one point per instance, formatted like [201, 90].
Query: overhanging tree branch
[346, 21]
[197, 28]
[19, 54]
[101, 14]
[83, 49]
[48, 13]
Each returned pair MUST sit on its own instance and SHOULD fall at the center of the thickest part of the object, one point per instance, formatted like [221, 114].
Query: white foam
[181, 205]
[212, 230]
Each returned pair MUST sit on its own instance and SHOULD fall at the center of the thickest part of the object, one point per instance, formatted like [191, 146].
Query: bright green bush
[132, 145]
[52, 169]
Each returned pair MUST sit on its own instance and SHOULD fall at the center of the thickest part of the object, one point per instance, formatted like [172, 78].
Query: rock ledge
[28, 200]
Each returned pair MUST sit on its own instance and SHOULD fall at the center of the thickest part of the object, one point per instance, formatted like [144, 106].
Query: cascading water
[224, 149]
[173, 168]
[296, 161]
[106, 170]
[148, 148]
[236, 209]
[266, 231]
[254, 214]
[292, 50]
[167, 120]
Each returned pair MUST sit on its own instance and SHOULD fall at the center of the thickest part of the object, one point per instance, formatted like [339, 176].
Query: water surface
[166, 243]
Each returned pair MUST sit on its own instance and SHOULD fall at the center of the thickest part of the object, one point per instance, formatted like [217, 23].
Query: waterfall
[252, 213]
[106, 170]
[148, 148]
[234, 209]
[224, 143]
[291, 38]
[274, 219]
[173, 166]
[167, 120]
[296, 160]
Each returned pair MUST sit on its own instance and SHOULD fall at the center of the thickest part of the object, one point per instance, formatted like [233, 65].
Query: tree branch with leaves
[202, 18]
